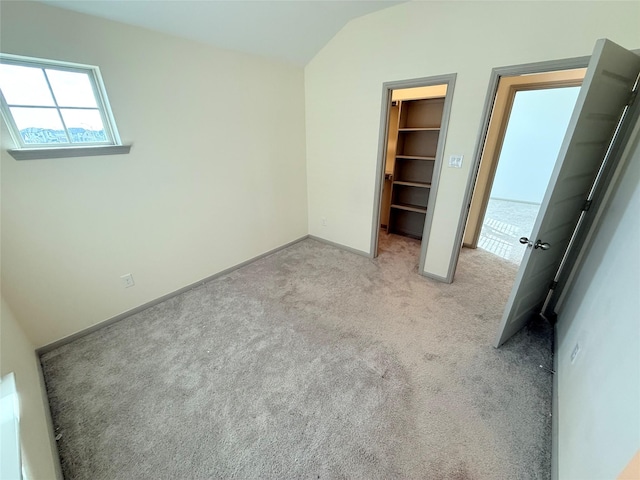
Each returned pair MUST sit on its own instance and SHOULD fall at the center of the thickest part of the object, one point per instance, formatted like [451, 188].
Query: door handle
[539, 244]
[542, 245]
[525, 241]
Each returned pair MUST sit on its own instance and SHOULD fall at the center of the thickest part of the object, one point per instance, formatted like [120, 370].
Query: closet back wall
[216, 174]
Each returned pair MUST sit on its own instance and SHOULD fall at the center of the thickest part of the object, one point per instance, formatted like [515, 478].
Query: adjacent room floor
[311, 363]
[505, 222]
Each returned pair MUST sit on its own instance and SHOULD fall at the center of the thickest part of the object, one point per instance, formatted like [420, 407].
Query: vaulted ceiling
[287, 30]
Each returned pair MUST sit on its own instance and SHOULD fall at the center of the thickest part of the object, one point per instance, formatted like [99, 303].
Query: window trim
[24, 151]
[68, 152]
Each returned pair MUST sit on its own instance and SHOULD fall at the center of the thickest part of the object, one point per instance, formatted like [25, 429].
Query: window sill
[67, 152]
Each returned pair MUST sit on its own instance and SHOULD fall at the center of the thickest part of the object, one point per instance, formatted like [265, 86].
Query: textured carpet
[311, 363]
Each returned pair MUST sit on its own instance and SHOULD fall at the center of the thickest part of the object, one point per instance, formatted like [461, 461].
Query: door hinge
[632, 98]
[587, 205]
[553, 285]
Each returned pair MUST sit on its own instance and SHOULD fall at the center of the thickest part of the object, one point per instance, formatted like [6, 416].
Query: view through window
[52, 105]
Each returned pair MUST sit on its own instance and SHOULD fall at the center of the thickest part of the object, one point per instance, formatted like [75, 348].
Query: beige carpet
[311, 363]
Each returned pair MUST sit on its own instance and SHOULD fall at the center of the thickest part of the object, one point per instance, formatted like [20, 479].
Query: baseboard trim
[435, 277]
[340, 246]
[554, 409]
[110, 321]
[55, 455]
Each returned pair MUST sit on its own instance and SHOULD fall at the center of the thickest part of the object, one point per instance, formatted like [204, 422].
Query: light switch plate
[455, 161]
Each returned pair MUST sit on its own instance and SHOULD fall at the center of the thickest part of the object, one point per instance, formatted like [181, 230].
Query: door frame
[387, 89]
[494, 79]
[508, 87]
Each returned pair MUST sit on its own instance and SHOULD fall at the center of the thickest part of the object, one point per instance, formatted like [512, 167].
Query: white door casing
[606, 90]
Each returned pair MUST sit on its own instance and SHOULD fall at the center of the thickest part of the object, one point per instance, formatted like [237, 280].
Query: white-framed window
[51, 105]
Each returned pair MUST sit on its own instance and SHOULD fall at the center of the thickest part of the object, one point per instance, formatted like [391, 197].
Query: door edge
[494, 78]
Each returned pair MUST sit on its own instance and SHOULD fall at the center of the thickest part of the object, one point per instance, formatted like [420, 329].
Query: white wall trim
[341, 247]
[55, 455]
[105, 323]
[67, 152]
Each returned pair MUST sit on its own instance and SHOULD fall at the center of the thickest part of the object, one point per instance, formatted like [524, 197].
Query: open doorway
[409, 163]
[531, 143]
[530, 116]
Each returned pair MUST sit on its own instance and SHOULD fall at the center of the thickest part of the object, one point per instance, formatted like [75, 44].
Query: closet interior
[415, 118]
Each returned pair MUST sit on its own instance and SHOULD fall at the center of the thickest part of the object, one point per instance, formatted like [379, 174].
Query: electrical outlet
[127, 280]
[324, 221]
[575, 352]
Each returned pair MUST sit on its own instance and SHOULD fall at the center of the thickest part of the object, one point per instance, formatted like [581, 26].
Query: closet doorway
[413, 128]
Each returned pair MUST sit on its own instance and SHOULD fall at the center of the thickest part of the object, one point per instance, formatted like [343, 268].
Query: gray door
[605, 92]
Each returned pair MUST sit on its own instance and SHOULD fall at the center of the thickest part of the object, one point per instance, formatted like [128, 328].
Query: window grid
[97, 88]
[55, 102]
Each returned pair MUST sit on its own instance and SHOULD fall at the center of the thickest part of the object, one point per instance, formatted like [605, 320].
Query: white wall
[536, 128]
[18, 356]
[422, 39]
[216, 174]
[599, 393]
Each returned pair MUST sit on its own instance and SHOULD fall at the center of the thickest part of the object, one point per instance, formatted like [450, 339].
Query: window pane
[84, 126]
[24, 86]
[71, 89]
[39, 125]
